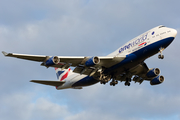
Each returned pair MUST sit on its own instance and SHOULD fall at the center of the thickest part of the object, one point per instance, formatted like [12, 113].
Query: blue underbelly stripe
[142, 53]
[85, 82]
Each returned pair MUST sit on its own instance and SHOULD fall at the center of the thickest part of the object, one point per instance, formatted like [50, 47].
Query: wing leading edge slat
[38, 58]
[74, 61]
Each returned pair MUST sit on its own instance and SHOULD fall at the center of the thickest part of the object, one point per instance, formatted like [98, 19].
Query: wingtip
[4, 53]
[7, 54]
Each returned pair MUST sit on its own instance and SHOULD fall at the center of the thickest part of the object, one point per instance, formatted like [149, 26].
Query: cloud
[116, 104]
[45, 109]
[20, 106]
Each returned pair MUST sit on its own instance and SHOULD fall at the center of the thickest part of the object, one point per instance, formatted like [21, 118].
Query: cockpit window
[161, 26]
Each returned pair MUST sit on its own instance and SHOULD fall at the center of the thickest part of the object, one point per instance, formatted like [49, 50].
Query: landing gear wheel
[161, 56]
[113, 82]
[102, 82]
[127, 84]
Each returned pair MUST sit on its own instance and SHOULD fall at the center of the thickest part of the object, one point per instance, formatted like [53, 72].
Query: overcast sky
[84, 28]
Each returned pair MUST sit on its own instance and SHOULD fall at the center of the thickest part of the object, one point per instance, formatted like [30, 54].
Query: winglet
[7, 54]
[4, 53]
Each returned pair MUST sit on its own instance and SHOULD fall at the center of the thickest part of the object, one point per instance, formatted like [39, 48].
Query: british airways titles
[133, 43]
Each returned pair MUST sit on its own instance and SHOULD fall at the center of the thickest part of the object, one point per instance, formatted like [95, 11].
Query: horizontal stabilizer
[52, 83]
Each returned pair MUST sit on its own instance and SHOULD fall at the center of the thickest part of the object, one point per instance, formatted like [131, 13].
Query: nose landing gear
[161, 56]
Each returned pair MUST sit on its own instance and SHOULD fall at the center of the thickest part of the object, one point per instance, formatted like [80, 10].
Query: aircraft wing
[139, 72]
[52, 83]
[67, 61]
[37, 58]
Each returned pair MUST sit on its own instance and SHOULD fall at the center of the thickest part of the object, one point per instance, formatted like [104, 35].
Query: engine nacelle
[153, 73]
[92, 61]
[52, 61]
[157, 80]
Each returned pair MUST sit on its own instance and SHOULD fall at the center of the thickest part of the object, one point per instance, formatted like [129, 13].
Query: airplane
[126, 64]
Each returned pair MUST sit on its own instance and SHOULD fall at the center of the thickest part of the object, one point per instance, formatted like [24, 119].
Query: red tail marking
[65, 75]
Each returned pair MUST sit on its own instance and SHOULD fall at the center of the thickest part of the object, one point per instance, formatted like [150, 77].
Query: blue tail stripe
[59, 73]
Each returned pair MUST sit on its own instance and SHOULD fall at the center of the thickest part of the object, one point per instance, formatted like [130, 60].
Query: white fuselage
[143, 46]
[149, 37]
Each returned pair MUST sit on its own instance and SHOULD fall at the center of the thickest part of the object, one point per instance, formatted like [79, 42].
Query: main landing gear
[161, 56]
[104, 79]
[127, 83]
[113, 82]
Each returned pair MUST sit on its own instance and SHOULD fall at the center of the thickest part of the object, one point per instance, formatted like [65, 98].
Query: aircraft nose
[174, 33]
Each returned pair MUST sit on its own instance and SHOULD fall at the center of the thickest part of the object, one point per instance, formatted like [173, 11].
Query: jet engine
[92, 61]
[153, 73]
[52, 61]
[157, 80]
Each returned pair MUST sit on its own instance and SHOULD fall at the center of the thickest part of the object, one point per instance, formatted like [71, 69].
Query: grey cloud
[20, 106]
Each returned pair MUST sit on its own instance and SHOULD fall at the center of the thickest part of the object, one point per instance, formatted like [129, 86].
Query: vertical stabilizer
[62, 74]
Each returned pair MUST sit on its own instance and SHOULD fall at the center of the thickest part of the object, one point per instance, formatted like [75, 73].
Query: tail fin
[62, 74]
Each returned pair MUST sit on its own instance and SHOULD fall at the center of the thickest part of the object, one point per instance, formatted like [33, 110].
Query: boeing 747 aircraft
[125, 64]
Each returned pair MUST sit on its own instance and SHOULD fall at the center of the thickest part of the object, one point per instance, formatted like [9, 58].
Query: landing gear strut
[104, 79]
[161, 56]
